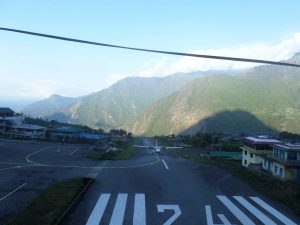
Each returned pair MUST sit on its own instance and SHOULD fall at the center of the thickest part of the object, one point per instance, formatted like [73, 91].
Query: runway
[147, 189]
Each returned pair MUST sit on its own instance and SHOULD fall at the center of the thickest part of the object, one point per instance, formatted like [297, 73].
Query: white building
[284, 162]
[256, 147]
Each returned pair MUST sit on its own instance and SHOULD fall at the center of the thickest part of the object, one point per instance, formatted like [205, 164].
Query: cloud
[275, 52]
[155, 67]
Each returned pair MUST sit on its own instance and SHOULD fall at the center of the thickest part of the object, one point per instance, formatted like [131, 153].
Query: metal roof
[257, 140]
[6, 110]
[288, 146]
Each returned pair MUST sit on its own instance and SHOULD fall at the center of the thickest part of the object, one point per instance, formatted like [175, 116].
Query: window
[276, 169]
[251, 155]
[245, 152]
[245, 162]
[280, 171]
[292, 156]
[265, 162]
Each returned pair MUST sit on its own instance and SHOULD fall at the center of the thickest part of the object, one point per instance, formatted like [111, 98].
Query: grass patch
[50, 205]
[266, 185]
[126, 153]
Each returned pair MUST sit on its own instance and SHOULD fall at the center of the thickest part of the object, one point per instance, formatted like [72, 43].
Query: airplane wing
[172, 147]
[141, 146]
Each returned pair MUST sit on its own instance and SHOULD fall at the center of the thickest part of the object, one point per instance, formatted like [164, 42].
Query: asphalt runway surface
[147, 189]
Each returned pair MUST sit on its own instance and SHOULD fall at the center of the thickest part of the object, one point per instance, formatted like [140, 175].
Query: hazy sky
[33, 68]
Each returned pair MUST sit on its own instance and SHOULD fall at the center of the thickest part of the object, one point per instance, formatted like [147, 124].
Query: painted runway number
[245, 210]
[175, 208]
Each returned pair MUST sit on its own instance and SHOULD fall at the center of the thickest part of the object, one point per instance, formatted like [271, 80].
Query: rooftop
[261, 140]
[6, 110]
[288, 146]
[28, 126]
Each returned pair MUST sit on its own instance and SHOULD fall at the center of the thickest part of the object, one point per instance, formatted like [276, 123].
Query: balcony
[256, 151]
[293, 163]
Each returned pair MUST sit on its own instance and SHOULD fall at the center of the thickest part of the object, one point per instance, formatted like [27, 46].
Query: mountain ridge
[147, 105]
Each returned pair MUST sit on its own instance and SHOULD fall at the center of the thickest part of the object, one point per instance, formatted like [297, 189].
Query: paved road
[165, 189]
[147, 189]
[27, 169]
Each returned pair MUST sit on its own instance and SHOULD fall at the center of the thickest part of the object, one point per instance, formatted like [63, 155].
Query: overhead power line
[151, 50]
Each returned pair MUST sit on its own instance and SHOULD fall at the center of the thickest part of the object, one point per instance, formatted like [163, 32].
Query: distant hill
[257, 100]
[54, 107]
[111, 107]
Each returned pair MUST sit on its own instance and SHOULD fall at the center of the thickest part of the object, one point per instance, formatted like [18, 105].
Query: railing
[285, 162]
[256, 151]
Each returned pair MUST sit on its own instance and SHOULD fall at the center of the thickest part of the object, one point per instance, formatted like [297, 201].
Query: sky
[33, 68]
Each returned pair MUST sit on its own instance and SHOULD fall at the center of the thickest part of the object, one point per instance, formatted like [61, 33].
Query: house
[284, 162]
[6, 112]
[254, 148]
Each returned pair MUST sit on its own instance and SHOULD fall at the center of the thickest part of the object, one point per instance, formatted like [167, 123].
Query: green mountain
[111, 107]
[261, 99]
[258, 100]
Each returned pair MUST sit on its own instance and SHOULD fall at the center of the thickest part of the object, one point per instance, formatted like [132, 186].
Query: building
[254, 148]
[14, 127]
[284, 162]
[65, 133]
[6, 112]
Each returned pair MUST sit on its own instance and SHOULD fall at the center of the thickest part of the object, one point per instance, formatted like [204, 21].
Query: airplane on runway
[157, 148]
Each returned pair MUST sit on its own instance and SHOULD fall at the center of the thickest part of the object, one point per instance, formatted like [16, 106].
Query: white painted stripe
[139, 216]
[165, 164]
[119, 210]
[10, 193]
[273, 211]
[209, 218]
[58, 150]
[224, 220]
[97, 213]
[13, 167]
[74, 151]
[235, 210]
[261, 216]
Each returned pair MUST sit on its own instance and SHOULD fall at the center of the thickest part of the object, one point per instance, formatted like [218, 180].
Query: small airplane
[157, 148]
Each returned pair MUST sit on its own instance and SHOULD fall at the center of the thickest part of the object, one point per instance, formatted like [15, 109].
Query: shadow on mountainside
[231, 122]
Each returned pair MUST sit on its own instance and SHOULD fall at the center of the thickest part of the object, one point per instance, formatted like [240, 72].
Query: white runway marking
[224, 220]
[74, 151]
[175, 208]
[209, 218]
[36, 152]
[58, 150]
[119, 210]
[273, 211]
[235, 210]
[261, 216]
[95, 167]
[165, 164]
[139, 216]
[1, 199]
[97, 213]
[14, 167]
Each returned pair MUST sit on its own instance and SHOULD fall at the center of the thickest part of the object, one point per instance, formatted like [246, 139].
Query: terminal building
[13, 126]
